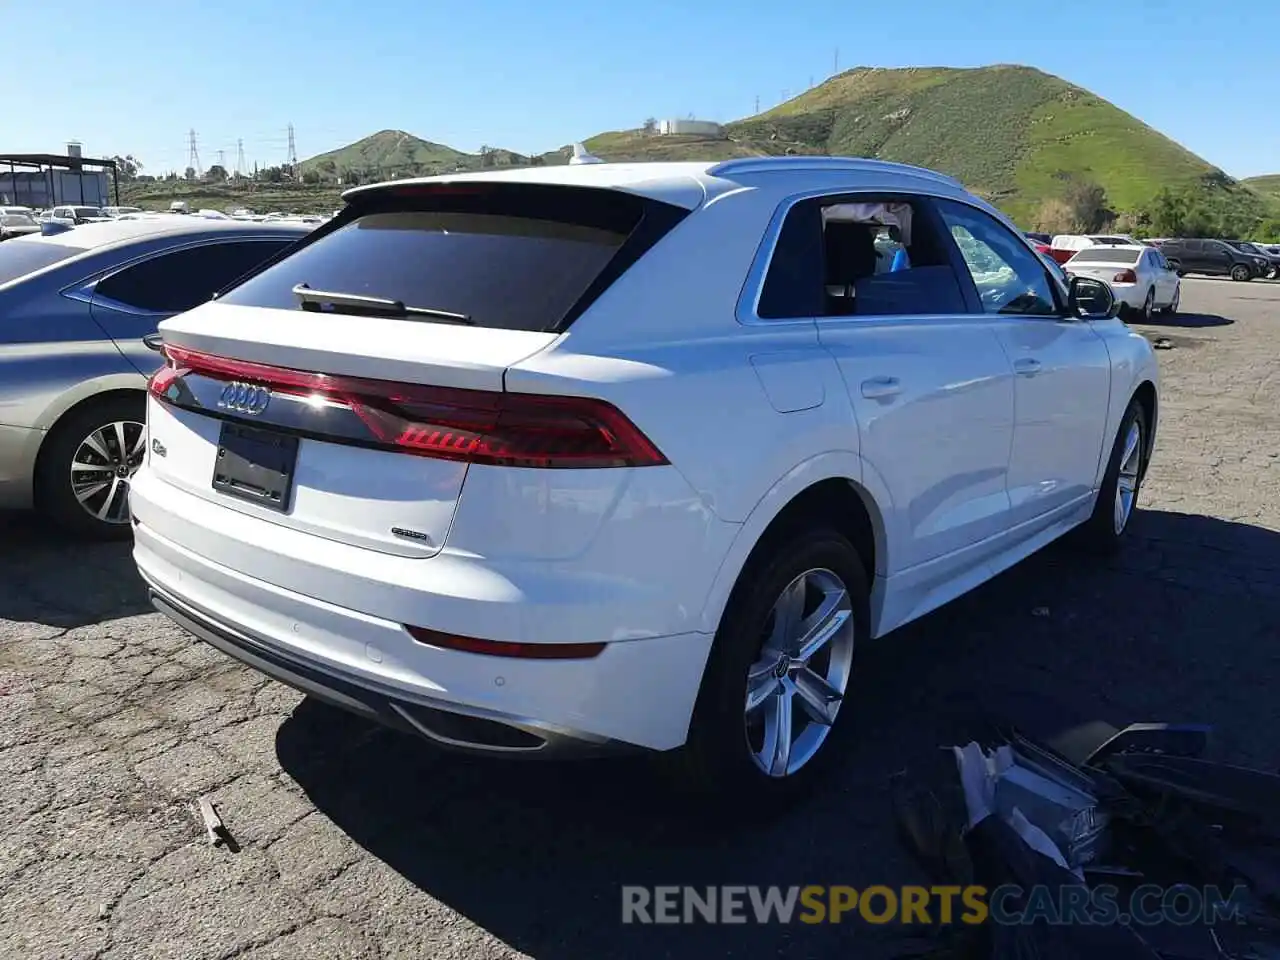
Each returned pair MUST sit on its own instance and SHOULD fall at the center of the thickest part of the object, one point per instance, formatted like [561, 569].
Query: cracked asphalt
[357, 842]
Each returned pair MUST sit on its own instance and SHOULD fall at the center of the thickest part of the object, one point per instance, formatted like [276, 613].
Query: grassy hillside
[389, 152]
[262, 197]
[1024, 139]
[1268, 186]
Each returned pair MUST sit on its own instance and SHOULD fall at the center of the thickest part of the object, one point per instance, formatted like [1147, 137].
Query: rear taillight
[1125, 276]
[475, 426]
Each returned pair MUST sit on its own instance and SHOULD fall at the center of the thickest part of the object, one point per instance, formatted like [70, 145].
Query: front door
[1062, 368]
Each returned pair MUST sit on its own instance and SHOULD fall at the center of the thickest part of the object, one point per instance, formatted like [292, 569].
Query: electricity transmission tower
[222, 159]
[193, 158]
[240, 164]
[293, 149]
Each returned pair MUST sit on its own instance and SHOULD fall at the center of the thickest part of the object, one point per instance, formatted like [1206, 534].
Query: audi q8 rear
[557, 458]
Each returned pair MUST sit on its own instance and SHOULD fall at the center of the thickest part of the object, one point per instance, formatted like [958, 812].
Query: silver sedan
[74, 308]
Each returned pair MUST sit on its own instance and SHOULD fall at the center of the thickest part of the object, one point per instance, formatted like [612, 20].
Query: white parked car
[1139, 276]
[629, 455]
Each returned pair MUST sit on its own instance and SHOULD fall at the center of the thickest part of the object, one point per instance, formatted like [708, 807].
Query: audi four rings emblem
[247, 398]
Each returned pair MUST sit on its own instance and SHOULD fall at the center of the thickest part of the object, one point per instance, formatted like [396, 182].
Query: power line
[193, 160]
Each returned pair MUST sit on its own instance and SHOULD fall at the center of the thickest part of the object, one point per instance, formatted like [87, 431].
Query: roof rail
[819, 164]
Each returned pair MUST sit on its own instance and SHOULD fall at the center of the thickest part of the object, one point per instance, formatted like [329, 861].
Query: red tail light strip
[505, 648]
[475, 426]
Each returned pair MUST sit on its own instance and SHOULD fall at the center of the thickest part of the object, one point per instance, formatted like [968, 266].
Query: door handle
[879, 387]
[1027, 367]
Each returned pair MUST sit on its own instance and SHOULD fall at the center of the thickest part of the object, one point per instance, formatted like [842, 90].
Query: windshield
[20, 257]
[87, 211]
[1107, 255]
[17, 220]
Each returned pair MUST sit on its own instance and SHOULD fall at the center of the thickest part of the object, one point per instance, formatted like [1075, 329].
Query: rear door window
[514, 257]
[184, 279]
[859, 256]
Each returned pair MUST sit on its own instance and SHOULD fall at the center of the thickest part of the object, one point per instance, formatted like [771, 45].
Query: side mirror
[153, 341]
[1090, 299]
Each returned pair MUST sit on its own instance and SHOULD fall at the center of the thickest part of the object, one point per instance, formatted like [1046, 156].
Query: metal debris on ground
[213, 823]
[1054, 812]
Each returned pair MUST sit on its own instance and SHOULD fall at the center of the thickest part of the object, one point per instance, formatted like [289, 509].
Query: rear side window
[184, 279]
[1107, 255]
[512, 257]
[20, 257]
[861, 257]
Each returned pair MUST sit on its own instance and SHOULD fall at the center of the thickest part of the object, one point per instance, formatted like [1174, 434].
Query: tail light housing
[1125, 276]
[505, 648]
[475, 426]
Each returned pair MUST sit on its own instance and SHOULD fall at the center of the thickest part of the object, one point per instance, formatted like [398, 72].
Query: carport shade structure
[53, 161]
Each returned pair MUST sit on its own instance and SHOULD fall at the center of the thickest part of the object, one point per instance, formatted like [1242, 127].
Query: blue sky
[532, 76]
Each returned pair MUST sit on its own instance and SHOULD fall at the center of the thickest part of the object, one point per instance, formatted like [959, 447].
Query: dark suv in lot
[1272, 269]
[1216, 258]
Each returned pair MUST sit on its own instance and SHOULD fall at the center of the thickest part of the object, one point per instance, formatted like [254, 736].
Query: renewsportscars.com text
[1008, 905]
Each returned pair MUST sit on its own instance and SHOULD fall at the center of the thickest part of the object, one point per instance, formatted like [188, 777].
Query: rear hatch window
[504, 256]
[21, 257]
[1107, 255]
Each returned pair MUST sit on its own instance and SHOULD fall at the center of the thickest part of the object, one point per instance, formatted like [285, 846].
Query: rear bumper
[637, 693]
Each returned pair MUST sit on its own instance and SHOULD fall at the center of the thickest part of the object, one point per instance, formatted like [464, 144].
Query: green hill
[387, 153]
[1014, 134]
[1268, 185]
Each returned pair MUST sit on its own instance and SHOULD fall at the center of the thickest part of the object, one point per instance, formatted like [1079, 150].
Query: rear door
[344, 390]
[1062, 368]
[930, 386]
[130, 301]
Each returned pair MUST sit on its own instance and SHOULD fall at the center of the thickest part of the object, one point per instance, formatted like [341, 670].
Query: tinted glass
[510, 272]
[88, 212]
[178, 281]
[1107, 255]
[19, 257]
[1009, 276]
[793, 285]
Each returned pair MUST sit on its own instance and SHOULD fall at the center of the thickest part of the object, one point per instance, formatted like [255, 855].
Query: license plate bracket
[256, 465]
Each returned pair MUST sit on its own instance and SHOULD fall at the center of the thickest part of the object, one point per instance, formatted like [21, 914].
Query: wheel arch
[69, 407]
[1149, 400]
[832, 486]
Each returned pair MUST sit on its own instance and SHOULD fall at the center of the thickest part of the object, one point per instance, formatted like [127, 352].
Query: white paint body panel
[966, 468]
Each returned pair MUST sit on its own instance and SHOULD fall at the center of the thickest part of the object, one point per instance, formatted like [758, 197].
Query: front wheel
[1149, 305]
[1240, 273]
[83, 473]
[1104, 531]
[772, 702]
[1172, 308]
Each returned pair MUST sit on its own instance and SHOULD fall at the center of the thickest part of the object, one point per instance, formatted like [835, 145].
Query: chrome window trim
[747, 310]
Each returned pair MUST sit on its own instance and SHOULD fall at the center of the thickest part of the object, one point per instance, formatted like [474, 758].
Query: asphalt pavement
[351, 841]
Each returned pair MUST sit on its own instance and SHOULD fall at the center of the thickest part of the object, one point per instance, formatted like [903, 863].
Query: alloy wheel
[1127, 482]
[798, 684]
[102, 466]
[1149, 305]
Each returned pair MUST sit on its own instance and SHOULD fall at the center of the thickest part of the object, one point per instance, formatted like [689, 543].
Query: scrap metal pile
[1070, 827]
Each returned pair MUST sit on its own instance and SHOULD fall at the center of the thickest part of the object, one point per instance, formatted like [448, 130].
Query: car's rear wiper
[313, 300]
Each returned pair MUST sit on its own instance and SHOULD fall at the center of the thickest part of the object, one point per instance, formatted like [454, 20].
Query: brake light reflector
[475, 426]
[506, 648]
[1125, 276]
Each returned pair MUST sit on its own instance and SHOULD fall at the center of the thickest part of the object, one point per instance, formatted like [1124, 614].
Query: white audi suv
[629, 455]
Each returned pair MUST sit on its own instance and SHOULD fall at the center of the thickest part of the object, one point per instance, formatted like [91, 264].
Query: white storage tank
[701, 128]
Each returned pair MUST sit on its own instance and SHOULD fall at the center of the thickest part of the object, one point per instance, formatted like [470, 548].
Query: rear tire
[1240, 273]
[1103, 533]
[1149, 305]
[82, 475]
[756, 655]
